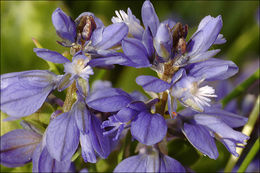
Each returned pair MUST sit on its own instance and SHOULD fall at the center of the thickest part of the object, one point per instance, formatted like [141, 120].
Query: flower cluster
[95, 118]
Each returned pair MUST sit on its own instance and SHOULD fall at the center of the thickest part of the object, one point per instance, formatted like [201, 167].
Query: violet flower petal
[100, 143]
[108, 100]
[149, 17]
[132, 164]
[163, 42]
[148, 128]
[220, 39]
[213, 69]
[87, 150]
[231, 146]
[64, 25]
[62, 137]
[50, 55]
[148, 43]
[112, 35]
[94, 142]
[217, 125]
[82, 116]
[17, 147]
[120, 120]
[201, 139]
[231, 119]
[226, 134]
[115, 58]
[168, 164]
[138, 96]
[96, 36]
[35, 157]
[130, 111]
[136, 52]
[203, 56]
[205, 36]
[181, 72]
[24, 94]
[153, 162]
[49, 164]
[151, 83]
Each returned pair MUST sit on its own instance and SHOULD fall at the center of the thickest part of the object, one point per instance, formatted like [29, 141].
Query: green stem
[248, 128]
[249, 156]
[70, 97]
[241, 88]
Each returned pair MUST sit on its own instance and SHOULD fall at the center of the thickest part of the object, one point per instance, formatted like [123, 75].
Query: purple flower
[137, 53]
[108, 100]
[89, 35]
[135, 29]
[206, 35]
[17, 147]
[21, 146]
[188, 89]
[94, 143]
[149, 159]
[146, 127]
[64, 25]
[78, 125]
[189, 92]
[78, 69]
[149, 17]
[140, 50]
[74, 32]
[23, 93]
[200, 128]
[100, 45]
[185, 84]
[62, 137]
[165, 42]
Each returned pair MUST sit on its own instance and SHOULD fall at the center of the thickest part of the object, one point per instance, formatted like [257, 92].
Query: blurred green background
[23, 20]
